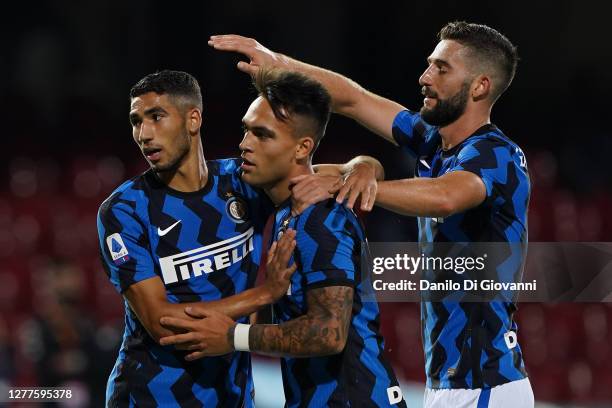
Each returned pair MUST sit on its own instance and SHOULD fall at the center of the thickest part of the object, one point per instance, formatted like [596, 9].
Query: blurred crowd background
[67, 68]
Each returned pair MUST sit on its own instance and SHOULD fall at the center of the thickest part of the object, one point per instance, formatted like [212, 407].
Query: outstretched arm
[443, 196]
[348, 98]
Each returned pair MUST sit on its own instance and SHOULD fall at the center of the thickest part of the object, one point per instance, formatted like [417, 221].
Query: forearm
[237, 306]
[242, 304]
[420, 197]
[339, 170]
[344, 91]
[149, 317]
[301, 337]
[451, 193]
[320, 332]
[350, 99]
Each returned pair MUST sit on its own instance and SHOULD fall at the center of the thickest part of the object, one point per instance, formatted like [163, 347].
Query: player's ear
[304, 147]
[194, 120]
[481, 87]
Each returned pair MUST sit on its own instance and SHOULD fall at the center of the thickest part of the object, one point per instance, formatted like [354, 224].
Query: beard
[177, 158]
[446, 111]
[174, 163]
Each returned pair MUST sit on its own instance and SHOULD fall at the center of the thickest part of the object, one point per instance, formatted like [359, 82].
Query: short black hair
[177, 84]
[291, 93]
[488, 46]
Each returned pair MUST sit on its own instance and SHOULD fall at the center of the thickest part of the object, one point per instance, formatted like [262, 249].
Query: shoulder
[222, 167]
[408, 119]
[493, 154]
[490, 139]
[329, 216]
[411, 131]
[328, 238]
[491, 145]
[125, 196]
[229, 175]
[322, 210]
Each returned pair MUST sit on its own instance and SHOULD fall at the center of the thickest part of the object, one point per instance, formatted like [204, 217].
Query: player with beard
[472, 186]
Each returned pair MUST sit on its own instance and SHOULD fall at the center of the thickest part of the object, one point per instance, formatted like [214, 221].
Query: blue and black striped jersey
[329, 244]
[203, 245]
[472, 345]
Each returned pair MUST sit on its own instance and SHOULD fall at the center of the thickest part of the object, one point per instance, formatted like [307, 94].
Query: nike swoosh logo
[162, 232]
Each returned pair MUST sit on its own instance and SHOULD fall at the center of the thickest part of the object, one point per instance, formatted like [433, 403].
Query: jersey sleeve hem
[399, 135]
[488, 183]
[330, 282]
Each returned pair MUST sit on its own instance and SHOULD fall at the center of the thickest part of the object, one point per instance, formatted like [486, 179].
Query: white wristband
[241, 337]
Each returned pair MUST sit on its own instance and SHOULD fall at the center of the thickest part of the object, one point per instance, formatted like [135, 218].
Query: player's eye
[156, 117]
[261, 135]
[244, 129]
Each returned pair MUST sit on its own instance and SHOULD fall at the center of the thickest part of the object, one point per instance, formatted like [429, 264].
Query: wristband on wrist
[241, 337]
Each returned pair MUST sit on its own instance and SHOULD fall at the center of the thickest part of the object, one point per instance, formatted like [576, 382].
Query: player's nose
[245, 144]
[425, 78]
[145, 134]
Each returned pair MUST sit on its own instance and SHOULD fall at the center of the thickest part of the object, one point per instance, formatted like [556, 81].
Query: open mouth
[246, 164]
[152, 153]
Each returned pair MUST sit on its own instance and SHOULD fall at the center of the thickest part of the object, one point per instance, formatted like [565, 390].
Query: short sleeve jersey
[467, 344]
[203, 245]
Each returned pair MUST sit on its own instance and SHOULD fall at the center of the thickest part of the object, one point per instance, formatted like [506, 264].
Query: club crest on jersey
[283, 227]
[237, 209]
[117, 248]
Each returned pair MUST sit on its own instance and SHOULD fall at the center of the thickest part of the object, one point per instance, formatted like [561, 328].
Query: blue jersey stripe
[502, 217]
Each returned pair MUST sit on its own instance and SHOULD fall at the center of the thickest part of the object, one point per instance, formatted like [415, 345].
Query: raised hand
[257, 54]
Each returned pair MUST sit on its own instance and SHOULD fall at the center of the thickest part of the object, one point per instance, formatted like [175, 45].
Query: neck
[279, 192]
[192, 173]
[462, 128]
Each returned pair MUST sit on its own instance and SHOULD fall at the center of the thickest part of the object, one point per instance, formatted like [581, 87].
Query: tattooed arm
[321, 331]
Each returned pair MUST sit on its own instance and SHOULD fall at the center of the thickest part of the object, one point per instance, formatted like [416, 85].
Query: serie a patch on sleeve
[117, 248]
